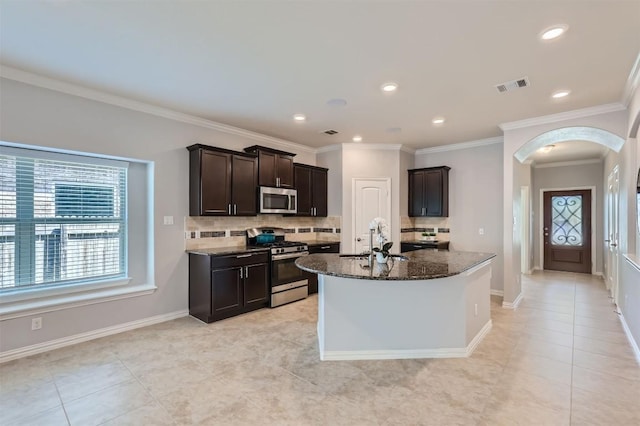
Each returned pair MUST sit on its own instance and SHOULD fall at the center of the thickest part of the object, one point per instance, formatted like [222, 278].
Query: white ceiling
[253, 64]
[570, 151]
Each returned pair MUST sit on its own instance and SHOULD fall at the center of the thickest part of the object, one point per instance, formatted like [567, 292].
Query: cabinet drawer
[239, 259]
[325, 248]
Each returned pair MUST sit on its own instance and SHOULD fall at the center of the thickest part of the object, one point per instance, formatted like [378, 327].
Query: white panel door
[613, 233]
[371, 199]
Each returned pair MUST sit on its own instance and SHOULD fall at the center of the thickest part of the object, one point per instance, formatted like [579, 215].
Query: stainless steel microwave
[278, 200]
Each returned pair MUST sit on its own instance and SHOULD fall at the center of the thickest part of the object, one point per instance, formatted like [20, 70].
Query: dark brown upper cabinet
[311, 184]
[429, 192]
[222, 182]
[275, 168]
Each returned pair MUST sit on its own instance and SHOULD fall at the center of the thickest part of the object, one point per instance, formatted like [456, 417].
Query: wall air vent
[513, 85]
[330, 132]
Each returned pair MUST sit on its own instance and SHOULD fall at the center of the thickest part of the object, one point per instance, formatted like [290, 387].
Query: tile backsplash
[413, 227]
[207, 231]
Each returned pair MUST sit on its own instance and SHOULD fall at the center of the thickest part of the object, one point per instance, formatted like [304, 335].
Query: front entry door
[567, 231]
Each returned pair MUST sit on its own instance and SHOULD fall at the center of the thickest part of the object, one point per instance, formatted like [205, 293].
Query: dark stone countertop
[319, 242]
[221, 251]
[418, 265]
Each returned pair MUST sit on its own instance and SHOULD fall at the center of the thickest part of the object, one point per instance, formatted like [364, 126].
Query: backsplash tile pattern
[207, 231]
[413, 227]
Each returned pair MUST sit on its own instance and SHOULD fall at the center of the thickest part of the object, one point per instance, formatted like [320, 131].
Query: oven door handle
[289, 256]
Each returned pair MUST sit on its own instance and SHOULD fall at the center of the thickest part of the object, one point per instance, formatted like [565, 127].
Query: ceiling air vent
[330, 132]
[513, 85]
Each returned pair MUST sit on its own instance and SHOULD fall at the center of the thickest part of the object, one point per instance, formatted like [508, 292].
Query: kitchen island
[422, 304]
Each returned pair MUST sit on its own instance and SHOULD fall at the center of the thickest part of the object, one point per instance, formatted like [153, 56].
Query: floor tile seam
[64, 409]
[549, 357]
[610, 373]
[630, 357]
[573, 351]
[155, 399]
[131, 379]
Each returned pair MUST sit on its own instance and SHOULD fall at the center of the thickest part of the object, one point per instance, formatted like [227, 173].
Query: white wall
[332, 159]
[363, 161]
[475, 200]
[572, 176]
[42, 117]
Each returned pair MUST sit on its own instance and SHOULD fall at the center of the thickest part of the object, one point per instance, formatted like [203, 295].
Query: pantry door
[567, 231]
[372, 198]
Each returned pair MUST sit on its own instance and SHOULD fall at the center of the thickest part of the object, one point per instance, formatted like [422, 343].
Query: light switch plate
[168, 220]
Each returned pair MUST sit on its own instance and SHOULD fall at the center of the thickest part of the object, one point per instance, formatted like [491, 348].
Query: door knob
[613, 245]
[358, 239]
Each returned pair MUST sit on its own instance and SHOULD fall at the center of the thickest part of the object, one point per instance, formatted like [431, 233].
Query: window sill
[12, 306]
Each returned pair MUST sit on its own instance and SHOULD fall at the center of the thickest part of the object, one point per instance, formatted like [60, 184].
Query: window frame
[16, 302]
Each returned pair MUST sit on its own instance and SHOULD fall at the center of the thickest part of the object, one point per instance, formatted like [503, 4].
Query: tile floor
[561, 358]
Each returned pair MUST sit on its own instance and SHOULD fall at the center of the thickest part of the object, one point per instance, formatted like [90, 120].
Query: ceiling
[253, 64]
[569, 151]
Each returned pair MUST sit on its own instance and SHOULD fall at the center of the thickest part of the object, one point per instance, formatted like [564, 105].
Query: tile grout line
[573, 352]
[147, 390]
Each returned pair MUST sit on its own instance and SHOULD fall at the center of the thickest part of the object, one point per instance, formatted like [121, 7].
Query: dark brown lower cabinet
[419, 245]
[320, 248]
[224, 286]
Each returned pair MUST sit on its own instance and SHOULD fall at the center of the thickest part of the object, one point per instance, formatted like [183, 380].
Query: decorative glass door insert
[566, 222]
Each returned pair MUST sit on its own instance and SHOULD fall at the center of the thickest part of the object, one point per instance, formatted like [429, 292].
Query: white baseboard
[632, 341]
[89, 335]
[409, 353]
[497, 293]
[514, 304]
[599, 274]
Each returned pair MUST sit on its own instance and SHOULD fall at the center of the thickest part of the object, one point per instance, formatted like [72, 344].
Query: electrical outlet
[168, 220]
[36, 323]
[476, 309]
[481, 231]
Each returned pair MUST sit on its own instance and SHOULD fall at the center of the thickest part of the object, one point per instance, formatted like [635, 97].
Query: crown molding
[562, 116]
[365, 146]
[119, 101]
[633, 82]
[463, 145]
[567, 163]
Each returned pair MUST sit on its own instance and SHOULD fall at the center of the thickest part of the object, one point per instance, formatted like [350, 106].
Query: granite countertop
[417, 265]
[220, 251]
[424, 242]
[319, 242]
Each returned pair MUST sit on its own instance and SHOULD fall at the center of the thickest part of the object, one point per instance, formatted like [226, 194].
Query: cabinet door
[416, 194]
[284, 170]
[268, 167]
[244, 184]
[215, 183]
[226, 291]
[256, 285]
[319, 192]
[435, 194]
[303, 186]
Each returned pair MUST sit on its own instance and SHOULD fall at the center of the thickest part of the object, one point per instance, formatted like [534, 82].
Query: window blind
[63, 219]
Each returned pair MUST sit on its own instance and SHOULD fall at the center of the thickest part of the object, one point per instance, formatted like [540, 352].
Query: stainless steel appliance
[288, 282]
[278, 200]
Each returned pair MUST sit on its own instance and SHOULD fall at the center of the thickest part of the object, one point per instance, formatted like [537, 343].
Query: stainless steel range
[288, 282]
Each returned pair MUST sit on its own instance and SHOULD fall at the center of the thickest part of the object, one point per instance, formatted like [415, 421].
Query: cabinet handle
[229, 209]
[278, 182]
[241, 277]
[417, 246]
[325, 247]
[240, 256]
[235, 209]
[246, 272]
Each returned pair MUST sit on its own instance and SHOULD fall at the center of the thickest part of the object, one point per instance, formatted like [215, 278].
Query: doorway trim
[594, 222]
[354, 180]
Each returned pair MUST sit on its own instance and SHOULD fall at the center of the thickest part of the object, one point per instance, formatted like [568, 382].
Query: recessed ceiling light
[299, 117]
[438, 120]
[389, 87]
[553, 32]
[546, 149]
[357, 138]
[560, 94]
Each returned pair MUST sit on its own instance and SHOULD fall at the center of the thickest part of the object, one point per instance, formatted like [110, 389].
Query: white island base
[360, 319]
